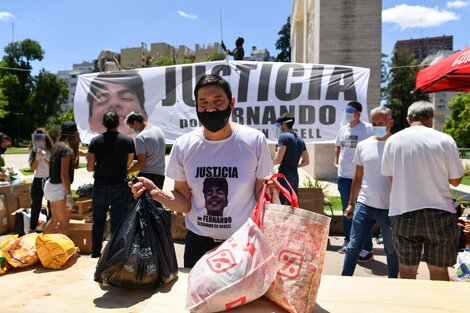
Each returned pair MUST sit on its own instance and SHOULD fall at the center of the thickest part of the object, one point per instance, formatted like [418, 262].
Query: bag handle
[258, 212]
[290, 194]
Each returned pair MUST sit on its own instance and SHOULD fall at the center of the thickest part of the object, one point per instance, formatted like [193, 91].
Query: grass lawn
[17, 150]
[466, 180]
[335, 202]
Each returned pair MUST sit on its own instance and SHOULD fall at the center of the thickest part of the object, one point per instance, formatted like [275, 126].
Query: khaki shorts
[434, 229]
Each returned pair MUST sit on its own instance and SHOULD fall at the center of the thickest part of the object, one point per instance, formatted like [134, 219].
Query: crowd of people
[401, 181]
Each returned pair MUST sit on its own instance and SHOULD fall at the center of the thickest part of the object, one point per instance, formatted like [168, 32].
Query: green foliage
[3, 103]
[161, 60]
[283, 43]
[466, 181]
[308, 183]
[215, 57]
[401, 88]
[53, 123]
[16, 84]
[384, 77]
[458, 125]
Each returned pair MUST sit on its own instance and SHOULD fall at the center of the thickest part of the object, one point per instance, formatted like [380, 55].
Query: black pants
[196, 246]
[37, 192]
[157, 179]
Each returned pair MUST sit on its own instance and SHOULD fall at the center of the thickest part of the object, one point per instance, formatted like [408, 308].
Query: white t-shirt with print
[375, 188]
[240, 160]
[347, 139]
[421, 161]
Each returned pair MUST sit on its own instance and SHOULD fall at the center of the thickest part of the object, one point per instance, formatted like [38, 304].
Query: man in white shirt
[237, 154]
[421, 162]
[346, 141]
[371, 190]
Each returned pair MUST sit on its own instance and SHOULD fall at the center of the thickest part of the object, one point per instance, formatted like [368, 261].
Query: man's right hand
[349, 212]
[141, 185]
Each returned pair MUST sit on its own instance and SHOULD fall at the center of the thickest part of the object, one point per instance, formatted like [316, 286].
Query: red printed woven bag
[298, 238]
[238, 271]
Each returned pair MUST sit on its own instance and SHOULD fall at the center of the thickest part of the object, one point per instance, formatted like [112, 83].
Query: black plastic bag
[141, 252]
[85, 191]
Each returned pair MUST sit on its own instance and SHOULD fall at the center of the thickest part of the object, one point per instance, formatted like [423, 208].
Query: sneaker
[344, 248]
[365, 256]
[380, 239]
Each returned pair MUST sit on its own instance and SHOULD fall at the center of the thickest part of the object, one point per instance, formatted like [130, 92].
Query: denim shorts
[54, 192]
[435, 230]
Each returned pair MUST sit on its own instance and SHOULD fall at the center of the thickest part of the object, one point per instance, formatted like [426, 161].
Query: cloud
[407, 16]
[457, 4]
[6, 16]
[187, 15]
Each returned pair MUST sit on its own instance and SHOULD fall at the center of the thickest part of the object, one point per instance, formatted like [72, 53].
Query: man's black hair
[286, 118]
[215, 182]
[213, 80]
[130, 79]
[134, 117]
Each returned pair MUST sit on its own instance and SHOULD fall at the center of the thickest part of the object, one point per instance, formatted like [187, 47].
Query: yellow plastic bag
[4, 265]
[54, 250]
[22, 251]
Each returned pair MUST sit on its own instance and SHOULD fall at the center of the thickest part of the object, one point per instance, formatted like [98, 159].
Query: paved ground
[333, 260]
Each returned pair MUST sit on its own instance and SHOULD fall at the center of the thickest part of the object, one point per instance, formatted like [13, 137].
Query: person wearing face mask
[218, 149]
[150, 148]
[347, 139]
[421, 162]
[109, 156]
[5, 142]
[291, 150]
[370, 194]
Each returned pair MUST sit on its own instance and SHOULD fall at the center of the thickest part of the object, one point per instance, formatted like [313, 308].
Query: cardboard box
[24, 200]
[81, 234]
[11, 194]
[3, 216]
[178, 226]
[82, 205]
[311, 199]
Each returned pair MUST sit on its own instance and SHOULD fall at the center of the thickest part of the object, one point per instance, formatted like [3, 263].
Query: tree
[458, 125]
[54, 122]
[49, 92]
[16, 80]
[401, 88]
[283, 43]
[384, 77]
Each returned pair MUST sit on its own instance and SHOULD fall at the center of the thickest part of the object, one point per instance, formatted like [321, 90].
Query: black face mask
[216, 120]
[2, 150]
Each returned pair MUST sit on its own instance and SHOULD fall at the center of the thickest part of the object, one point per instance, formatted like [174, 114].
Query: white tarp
[315, 93]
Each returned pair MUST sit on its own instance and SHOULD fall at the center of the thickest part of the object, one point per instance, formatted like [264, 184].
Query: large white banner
[315, 94]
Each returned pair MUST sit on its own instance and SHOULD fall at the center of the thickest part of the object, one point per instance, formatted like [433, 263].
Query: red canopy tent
[450, 74]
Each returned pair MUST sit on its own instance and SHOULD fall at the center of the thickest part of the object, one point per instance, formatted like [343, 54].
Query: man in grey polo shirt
[150, 149]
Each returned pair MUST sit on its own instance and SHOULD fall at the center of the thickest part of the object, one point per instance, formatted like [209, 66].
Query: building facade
[337, 32]
[421, 48]
[260, 55]
[134, 57]
[428, 51]
[71, 77]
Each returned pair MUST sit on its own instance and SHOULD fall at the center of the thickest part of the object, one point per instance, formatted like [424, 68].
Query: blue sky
[71, 31]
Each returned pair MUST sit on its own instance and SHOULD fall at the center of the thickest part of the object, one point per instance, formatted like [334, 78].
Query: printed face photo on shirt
[349, 141]
[216, 195]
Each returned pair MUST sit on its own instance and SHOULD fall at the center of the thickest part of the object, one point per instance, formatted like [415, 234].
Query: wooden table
[347, 294]
[72, 289]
